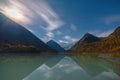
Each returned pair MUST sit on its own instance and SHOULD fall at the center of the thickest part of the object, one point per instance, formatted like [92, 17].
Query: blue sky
[65, 20]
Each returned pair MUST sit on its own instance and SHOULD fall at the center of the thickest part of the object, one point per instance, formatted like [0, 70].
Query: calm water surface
[59, 67]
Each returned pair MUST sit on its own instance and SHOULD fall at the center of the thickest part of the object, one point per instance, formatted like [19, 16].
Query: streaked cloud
[47, 37]
[66, 44]
[50, 34]
[69, 38]
[62, 41]
[59, 32]
[105, 34]
[99, 33]
[111, 19]
[35, 12]
[73, 27]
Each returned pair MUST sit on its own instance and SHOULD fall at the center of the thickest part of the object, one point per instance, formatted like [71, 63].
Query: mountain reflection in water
[68, 69]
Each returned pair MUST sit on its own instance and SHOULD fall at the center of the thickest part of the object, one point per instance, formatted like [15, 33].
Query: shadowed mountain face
[116, 32]
[55, 46]
[110, 44]
[86, 39]
[11, 32]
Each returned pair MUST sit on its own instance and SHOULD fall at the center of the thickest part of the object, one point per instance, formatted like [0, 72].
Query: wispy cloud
[35, 12]
[65, 44]
[59, 32]
[111, 19]
[69, 38]
[50, 34]
[99, 33]
[62, 41]
[47, 37]
[105, 34]
[73, 27]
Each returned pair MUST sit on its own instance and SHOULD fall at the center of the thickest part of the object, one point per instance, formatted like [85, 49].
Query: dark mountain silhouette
[55, 46]
[86, 39]
[109, 45]
[116, 32]
[15, 37]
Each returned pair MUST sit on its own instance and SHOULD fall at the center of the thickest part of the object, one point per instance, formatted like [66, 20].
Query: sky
[64, 21]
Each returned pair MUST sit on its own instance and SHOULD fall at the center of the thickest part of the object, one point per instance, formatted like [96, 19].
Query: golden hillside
[109, 45]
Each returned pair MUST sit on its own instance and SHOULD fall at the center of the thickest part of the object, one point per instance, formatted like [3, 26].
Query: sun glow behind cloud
[58, 20]
[30, 12]
[35, 15]
[14, 14]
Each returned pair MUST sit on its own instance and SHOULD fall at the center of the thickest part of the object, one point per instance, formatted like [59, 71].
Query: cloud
[47, 37]
[4, 2]
[73, 27]
[62, 41]
[35, 12]
[50, 34]
[48, 74]
[8, 6]
[67, 37]
[105, 34]
[111, 19]
[100, 33]
[59, 32]
[65, 44]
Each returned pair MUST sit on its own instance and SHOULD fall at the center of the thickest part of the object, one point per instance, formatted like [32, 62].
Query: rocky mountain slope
[109, 45]
[13, 34]
[55, 46]
[86, 39]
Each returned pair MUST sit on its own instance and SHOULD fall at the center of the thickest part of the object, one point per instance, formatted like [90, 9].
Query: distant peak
[88, 34]
[118, 28]
[51, 41]
[116, 32]
[53, 44]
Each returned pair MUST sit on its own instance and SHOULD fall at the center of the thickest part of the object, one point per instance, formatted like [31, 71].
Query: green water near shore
[18, 67]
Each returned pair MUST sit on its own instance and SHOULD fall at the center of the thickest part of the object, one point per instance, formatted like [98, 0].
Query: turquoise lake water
[57, 67]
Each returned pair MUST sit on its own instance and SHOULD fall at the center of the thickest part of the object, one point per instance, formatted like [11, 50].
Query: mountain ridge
[55, 46]
[86, 39]
[109, 45]
[13, 33]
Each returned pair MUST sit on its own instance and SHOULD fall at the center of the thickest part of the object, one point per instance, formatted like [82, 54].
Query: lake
[57, 67]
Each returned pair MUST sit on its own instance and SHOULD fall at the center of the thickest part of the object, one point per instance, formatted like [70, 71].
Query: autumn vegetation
[109, 45]
[17, 47]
